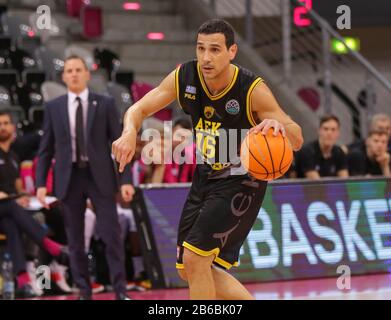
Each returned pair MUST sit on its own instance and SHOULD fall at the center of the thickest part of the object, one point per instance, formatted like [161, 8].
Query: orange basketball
[266, 157]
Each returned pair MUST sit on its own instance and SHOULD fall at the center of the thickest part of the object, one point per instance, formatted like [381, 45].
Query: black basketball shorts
[218, 215]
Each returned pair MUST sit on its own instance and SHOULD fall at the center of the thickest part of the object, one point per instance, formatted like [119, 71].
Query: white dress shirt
[72, 108]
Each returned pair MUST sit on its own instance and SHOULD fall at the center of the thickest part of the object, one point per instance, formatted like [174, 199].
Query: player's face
[377, 144]
[329, 133]
[75, 75]
[213, 55]
[7, 128]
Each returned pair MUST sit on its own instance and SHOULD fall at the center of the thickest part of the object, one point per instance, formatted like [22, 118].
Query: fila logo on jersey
[190, 92]
[190, 96]
[232, 107]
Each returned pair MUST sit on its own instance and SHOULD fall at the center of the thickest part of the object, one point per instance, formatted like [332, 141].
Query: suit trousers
[81, 187]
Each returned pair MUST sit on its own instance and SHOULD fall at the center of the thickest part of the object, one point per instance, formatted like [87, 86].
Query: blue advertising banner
[303, 230]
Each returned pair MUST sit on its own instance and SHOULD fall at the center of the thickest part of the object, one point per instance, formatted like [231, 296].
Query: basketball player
[221, 206]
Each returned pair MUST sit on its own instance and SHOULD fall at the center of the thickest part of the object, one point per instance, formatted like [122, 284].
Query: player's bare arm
[124, 147]
[267, 108]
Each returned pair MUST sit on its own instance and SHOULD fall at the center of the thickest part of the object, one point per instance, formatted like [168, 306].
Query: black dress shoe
[26, 292]
[122, 296]
[63, 257]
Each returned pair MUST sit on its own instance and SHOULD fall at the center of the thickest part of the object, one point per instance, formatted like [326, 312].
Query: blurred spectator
[138, 168]
[129, 236]
[323, 157]
[379, 122]
[373, 158]
[26, 145]
[182, 135]
[158, 154]
[89, 225]
[291, 173]
[13, 218]
[52, 218]
[89, 231]
[170, 161]
[134, 260]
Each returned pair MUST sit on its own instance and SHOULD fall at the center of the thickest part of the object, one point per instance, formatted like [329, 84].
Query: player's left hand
[266, 124]
[127, 192]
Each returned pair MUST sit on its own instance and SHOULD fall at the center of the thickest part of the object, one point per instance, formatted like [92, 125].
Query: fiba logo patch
[232, 107]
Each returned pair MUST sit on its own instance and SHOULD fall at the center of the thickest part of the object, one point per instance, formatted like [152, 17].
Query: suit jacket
[103, 128]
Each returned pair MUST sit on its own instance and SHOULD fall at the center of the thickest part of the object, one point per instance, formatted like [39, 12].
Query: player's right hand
[41, 196]
[124, 148]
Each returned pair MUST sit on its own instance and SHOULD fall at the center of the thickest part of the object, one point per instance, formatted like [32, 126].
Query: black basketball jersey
[219, 121]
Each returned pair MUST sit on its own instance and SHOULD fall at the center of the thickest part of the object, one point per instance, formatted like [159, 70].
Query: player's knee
[195, 263]
[182, 274]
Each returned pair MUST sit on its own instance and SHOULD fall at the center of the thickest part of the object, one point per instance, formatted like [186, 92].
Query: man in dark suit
[78, 130]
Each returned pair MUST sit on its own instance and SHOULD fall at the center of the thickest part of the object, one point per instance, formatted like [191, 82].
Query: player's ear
[232, 51]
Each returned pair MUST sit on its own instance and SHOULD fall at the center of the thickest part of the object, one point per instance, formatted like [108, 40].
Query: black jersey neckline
[226, 89]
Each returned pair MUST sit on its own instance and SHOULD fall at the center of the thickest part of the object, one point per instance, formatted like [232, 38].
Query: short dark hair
[75, 56]
[377, 132]
[219, 26]
[327, 118]
[183, 122]
[6, 112]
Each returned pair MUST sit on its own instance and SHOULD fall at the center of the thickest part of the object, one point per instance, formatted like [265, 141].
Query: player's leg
[218, 227]
[199, 275]
[227, 287]
[243, 200]
[190, 213]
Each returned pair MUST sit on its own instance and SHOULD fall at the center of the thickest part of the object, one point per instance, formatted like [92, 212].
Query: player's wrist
[130, 130]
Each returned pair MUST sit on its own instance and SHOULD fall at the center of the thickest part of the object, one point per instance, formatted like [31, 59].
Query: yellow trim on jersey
[179, 266]
[226, 264]
[203, 253]
[248, 101]
[177, 86]
[222, 93]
